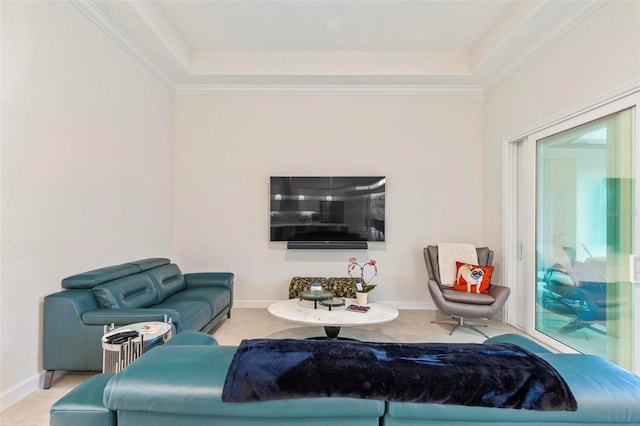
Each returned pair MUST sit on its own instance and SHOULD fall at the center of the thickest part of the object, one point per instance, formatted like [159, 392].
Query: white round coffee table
[303, 312]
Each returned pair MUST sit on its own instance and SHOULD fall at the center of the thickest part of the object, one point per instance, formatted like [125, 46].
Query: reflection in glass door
[585, 212]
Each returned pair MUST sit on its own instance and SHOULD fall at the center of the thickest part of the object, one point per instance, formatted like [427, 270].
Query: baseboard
[20, 391]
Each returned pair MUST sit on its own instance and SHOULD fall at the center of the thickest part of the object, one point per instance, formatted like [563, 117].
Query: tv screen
[341, 208]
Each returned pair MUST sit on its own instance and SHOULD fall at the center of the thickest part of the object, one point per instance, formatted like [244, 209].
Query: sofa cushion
[463, 297]
[217, 298]
[192, 338]
[339, 286]
[168, 279]
[134, 291]
[189, 380]
[92, 278]
[194, 315]
[605, 393]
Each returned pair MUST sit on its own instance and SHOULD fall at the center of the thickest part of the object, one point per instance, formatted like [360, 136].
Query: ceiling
[199, 45]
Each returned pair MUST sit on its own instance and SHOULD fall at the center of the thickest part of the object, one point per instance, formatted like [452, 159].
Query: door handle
[519, 250]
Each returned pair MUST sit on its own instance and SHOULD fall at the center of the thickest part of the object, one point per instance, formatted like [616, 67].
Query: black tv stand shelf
[313, 245]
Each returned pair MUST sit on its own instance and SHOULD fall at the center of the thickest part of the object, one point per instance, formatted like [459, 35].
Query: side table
[116, 356]
[309, 295]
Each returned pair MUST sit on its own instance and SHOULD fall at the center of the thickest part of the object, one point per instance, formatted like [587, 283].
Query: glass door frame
[519, 237]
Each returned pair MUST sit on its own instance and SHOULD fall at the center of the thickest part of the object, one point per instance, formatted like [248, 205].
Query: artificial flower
[365, 286]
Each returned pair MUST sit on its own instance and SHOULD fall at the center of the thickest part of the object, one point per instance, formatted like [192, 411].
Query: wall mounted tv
[327, 211]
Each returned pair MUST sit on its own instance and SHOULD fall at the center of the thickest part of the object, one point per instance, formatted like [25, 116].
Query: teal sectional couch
[182, 382]
[151, 289]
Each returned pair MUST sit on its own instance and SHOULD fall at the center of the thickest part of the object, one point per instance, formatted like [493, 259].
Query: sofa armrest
[209, 279]
[68, 343]
[75, 301]
[126, 316]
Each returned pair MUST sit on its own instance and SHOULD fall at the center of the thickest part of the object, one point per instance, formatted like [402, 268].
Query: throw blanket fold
[449, 254]
[499, 375]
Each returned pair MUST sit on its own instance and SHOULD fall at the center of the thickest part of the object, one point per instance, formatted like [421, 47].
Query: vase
[362, 298]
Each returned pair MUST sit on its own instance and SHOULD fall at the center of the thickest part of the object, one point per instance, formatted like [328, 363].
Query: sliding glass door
[585, 218]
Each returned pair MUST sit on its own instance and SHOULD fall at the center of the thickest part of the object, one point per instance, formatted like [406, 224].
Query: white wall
[87, 168]
[429, 148]
[87, 164]
[599, 57]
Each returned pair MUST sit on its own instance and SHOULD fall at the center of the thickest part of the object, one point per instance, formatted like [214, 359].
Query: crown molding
[349, 89]
[496, 74]
[554, 33]
[102, 21]
[93, 12]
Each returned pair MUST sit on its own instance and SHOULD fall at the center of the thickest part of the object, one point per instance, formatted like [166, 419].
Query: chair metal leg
[459, 322]
[456, 325]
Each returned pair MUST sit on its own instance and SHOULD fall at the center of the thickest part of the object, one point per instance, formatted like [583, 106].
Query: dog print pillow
[472, 278]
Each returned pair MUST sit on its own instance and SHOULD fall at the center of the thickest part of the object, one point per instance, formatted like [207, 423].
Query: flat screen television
[327, 208]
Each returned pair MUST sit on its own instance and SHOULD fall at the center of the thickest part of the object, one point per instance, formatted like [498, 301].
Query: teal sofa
[182, 381]
[151, 289]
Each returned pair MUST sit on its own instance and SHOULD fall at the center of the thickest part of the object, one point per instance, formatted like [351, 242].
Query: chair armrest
[209, 279]
[126, 316]
[436, 293]
[500, 293]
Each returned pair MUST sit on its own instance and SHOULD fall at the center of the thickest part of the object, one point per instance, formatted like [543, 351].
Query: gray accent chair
[460, 305]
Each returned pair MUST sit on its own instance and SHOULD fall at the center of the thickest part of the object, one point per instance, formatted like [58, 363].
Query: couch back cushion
[152, 262]
[134, 291]
[168, 279]
[95, 277]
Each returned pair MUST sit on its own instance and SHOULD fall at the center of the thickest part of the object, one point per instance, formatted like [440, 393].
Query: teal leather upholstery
[169, 280]
[134, 291]
[189, 337]
[91, 279]
[151, 289]
[83, 405]
[606, 394]
[147, 264]
[180, 383]
[520, 340]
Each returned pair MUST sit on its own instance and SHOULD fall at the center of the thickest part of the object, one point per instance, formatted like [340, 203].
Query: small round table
[302, 312]
[116, 356]
[324, 297]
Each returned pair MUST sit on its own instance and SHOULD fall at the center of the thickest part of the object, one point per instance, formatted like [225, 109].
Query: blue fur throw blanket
[488, 375]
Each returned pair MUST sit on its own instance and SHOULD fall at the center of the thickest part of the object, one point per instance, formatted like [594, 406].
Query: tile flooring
[410, 326]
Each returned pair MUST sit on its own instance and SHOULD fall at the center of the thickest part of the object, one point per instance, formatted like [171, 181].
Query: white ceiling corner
[330, 46]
